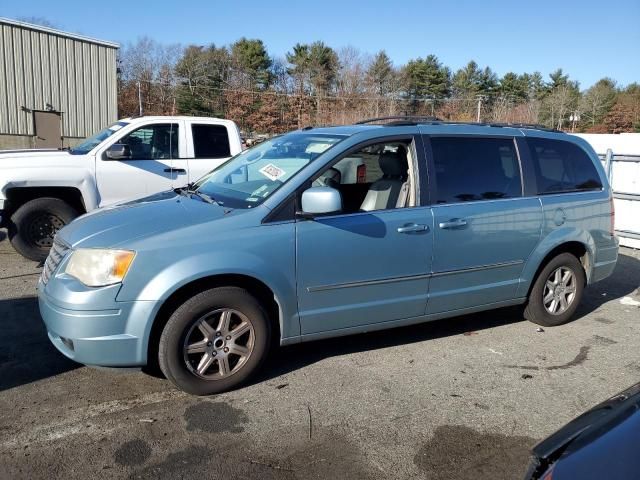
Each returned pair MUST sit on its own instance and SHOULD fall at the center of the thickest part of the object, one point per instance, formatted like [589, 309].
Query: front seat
[391, 189]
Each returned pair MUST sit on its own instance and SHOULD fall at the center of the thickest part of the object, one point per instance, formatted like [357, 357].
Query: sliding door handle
[413, 227]
[453, 223]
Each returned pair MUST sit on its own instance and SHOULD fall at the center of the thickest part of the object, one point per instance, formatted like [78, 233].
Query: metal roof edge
[60, 33]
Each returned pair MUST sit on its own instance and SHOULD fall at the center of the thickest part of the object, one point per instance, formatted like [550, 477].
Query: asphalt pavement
[462, 398]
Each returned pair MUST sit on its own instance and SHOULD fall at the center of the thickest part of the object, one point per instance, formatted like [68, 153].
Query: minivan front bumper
[115, 335]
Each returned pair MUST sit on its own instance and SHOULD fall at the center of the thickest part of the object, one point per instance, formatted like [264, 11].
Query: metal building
[55, 87]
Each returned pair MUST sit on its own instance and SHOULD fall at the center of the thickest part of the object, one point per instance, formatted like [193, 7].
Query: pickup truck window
[153, 142]
[252, 176]
[92, 142]
[210, 141]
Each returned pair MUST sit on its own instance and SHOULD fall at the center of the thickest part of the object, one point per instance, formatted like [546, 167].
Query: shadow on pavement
[3, 235]
[624, 281]
[26, 354]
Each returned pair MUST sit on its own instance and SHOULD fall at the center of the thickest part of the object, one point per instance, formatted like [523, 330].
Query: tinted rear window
[562, 167]
[472, 169]
[210, 141]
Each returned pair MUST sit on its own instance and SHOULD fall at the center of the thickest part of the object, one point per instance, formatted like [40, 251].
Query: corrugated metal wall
[75, 76]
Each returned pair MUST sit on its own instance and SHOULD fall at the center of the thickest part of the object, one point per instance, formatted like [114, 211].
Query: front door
[484, 228]
[370, 263]
[154, 165]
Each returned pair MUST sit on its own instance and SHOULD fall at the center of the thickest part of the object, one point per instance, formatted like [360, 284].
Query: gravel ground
[463, 398]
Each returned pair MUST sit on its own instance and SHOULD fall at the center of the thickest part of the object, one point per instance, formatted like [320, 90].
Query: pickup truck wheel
[35, 223]
[214, 341]
[557, 291]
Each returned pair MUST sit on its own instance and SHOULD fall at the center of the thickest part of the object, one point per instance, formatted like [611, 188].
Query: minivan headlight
[99, 267]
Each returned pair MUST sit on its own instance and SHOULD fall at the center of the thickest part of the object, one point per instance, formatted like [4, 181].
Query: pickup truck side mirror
[319, 200]
[118, 151]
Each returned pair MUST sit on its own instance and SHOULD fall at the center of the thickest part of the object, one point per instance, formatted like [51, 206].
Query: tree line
[315, 84]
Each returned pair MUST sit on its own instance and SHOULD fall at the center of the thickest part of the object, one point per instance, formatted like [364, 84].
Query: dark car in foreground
[602, 443]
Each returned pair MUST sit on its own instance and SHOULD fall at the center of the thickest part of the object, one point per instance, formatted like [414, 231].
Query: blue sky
[589, 39]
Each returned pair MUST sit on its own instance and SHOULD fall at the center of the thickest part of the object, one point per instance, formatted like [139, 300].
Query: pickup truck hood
[110, 226]
[11, 159]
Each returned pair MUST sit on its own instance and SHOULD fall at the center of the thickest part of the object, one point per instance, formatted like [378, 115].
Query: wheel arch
[18, 196]
[265, 295]
[579, 248]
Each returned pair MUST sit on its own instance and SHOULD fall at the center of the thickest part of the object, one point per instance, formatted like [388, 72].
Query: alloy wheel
[559, 291]
[218, 344]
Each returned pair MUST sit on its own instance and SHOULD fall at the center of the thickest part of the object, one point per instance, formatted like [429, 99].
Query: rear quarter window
[562, 167]
[210, 141]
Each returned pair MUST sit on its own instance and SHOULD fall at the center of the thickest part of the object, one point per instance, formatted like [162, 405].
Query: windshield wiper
[189, 190]
[204, 196]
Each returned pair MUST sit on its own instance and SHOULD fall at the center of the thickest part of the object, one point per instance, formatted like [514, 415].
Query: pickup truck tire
[34, 224]
[214, 341]
[557, 291]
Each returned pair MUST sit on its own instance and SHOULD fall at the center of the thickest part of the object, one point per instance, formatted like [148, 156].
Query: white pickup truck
[43, 190]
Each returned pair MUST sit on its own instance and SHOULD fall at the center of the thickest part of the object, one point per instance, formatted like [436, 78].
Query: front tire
[557, 291]
[34, 224]
[214, 341]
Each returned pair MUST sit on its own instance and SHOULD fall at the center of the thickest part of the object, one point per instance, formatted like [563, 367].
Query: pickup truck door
[157, 163]
[208, 146]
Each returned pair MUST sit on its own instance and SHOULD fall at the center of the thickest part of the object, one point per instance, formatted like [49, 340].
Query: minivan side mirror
[319, 200]
[118, 151]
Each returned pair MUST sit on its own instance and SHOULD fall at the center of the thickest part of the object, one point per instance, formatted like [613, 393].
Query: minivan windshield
[92, 142]
[250, 177]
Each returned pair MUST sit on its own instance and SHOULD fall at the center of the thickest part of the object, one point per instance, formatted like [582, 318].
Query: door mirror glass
[317, 200]
[118, 151]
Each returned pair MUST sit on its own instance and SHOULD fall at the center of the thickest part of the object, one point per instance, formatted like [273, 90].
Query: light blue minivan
[331, 231]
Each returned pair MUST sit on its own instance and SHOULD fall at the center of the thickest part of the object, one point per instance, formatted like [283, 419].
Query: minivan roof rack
[400, 119]
[420, 120]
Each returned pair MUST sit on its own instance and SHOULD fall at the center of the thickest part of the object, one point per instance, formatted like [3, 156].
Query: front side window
[210, 141]
[250, 177]
[473, 169]
[562, 167]
[153, 142]
[376, 177]
[92, 142]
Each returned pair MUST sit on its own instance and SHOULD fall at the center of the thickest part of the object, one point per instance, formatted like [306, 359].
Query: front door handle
[175, 170]
[453, 223]
[413, 227]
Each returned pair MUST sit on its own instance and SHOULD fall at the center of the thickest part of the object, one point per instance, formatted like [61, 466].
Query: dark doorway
[48, 131]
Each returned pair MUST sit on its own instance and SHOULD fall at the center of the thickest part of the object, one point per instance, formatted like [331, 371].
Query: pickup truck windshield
[90, 143]
[252, 176]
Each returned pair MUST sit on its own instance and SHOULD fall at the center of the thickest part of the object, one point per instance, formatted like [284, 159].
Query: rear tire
[34, 224]
[214, 341]
[557, 291]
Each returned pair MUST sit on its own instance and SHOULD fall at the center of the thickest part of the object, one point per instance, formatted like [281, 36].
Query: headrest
[394, 164]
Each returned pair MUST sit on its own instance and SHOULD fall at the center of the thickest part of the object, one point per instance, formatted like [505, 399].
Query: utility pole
[139, 100]
[480, 98]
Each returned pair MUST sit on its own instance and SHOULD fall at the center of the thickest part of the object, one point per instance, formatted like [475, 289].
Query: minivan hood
[110, 226]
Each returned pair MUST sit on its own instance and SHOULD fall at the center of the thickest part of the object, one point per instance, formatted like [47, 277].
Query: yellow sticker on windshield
[272, 172]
